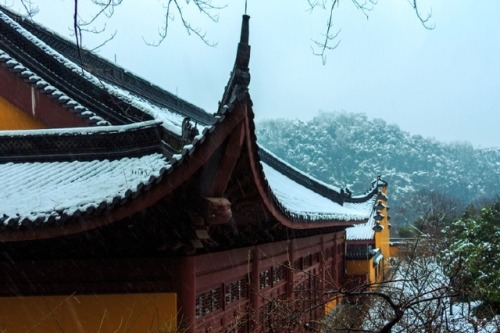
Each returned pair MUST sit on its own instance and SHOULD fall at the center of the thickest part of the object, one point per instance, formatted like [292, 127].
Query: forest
[351, 150]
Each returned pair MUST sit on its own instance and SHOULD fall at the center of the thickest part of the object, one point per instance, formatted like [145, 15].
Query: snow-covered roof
[83, 144]
[303, 202]
[77, 131]
[366, 231]
[51, 191]
[363, 231]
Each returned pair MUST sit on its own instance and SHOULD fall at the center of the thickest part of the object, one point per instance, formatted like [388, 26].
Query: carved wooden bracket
[216, 210]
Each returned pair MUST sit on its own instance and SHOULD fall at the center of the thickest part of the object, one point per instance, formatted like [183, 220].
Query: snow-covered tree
[472, 256]
[418, 297]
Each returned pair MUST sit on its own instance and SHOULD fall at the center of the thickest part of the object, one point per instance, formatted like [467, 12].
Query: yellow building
[368, 244]
[154, 312]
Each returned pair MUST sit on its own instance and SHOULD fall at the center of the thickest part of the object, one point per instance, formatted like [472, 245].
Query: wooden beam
[227, 162]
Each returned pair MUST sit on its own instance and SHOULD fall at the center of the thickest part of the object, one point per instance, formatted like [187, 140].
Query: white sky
[442, 83]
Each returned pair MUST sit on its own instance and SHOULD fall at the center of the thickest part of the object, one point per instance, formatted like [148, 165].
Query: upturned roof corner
[243, 54]
[240, 76]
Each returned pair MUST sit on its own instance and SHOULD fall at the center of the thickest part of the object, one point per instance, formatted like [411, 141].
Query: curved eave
[192, 158]
[278, 210]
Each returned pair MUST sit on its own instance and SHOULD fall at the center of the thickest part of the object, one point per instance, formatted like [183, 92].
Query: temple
[127, 209]
[368, 244]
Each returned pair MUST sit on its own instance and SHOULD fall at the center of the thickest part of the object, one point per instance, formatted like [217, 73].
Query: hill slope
[347, 149]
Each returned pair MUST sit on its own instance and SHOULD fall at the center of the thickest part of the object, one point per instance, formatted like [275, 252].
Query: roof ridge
[61, 73]
[334, 193]
[113, 73]
[82, 144]
[45, 88]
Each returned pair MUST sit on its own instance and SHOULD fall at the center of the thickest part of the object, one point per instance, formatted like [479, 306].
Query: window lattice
[297, 264]
[208, 302]
[265, 278]
[316, 258]
[278, 273]
[307, 261]
[236, 290]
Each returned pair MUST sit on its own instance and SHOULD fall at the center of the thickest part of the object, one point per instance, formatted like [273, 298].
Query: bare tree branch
[330, 40]
[77, 30]
[205, 7]
[30, 8]
[329, 37]
[107, 9]
[364, 6]
[423, 19]
[80, 25]
[104, 42]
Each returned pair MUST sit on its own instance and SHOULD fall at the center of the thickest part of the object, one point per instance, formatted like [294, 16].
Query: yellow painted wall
[394, 250]
[330, 305]
[361, 267]
[89, 313]
[383, 238]
[382, 242]
[11, 118]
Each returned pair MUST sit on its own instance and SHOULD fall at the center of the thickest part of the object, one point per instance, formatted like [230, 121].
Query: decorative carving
[378, 227]
[216, 210]
[188, 131]
[379, 205]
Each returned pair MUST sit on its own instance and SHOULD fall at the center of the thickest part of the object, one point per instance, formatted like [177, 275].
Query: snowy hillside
[347, 149]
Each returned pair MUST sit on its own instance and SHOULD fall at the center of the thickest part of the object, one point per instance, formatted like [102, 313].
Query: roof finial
[243, 54]
[245, 7]
[240, 76]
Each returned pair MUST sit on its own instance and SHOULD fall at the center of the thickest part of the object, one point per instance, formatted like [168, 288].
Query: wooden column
[322, 267]
[291, 272]
[254, 291]
[185, 286]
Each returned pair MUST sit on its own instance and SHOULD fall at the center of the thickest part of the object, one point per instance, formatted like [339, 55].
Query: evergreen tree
[472, 257]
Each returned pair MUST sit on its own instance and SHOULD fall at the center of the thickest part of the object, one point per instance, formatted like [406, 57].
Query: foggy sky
[442, 83]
